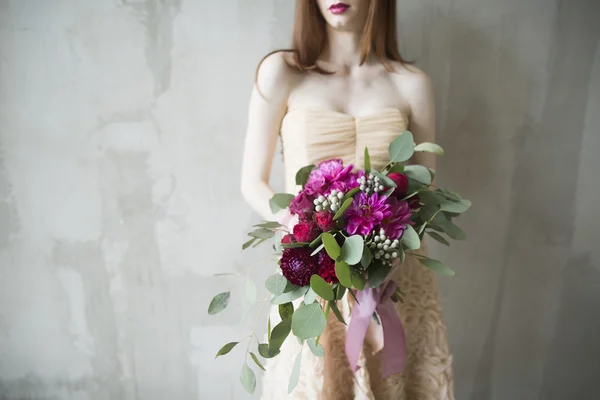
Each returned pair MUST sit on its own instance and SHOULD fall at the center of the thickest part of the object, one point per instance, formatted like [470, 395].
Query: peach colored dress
[309, 137]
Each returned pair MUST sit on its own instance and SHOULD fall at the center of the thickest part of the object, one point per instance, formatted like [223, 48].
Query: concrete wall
[115, 116]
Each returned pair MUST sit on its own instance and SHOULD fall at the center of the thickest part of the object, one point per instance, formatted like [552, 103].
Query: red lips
[339, 8]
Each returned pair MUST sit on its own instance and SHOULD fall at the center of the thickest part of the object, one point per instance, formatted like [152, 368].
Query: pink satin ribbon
[394, 340]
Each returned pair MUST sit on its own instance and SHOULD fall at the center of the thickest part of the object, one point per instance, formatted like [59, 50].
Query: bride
[341, 87]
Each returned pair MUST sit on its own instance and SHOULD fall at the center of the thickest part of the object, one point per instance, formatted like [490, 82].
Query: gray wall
[115, 115]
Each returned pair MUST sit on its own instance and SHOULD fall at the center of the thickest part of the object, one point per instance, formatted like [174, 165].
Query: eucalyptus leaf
[248, 379]
[219, 303]
[458, 207]
[308, 321]
[269, 225]
[331, 246]
[262, 233]
[280, 201]
[438, 237]
[367, 257]
[377, 273]
[367, 161]
[303, 174]
[402, 148]
[351, 193]
[322, 288]
[279, 334]
[436, 266]
[256, 361]
[352, 249]
[336, 311]
[430, 148]
[265, 352]
[259, 242]
[410, 238]
[295, 373]
[418, 173]
[342, 271]
[276, 284]
[453, 231]
[316, 241]
[429, 197]
[289, 296]
[226, 349]
[388, 182]
[286, 310]
[340, 213]
[316, 349]
[358, 281]
[310, 296]
[399, 168]
[248, 243]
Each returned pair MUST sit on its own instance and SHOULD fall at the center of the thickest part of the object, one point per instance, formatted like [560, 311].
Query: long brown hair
[310, 36]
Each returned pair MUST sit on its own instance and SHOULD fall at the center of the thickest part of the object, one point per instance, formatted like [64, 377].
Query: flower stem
[327, 308]
[254, 328]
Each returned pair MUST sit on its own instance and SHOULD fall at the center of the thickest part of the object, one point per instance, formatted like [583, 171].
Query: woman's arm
[268, 105]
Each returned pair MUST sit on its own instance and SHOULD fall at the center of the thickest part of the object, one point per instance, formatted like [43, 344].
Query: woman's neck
[342, 49]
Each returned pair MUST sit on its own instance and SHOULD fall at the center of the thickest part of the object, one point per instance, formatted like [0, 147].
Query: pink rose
[306, 231]
[325, 220]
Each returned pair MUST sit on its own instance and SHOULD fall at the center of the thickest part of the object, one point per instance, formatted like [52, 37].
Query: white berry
[319, 208]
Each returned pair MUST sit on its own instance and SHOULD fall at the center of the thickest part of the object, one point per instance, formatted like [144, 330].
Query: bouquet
[350, 230]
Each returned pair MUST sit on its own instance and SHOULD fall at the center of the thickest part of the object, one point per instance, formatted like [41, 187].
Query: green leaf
[248, 379]
[340, 291]
[279, 334]
[399, 168]
[367, 257]
[430, 198]
[419, 173]
[289, 296]
[316, 349]
[342, 271]
[303, 174]
[352, 249]
[269, 225]
[436, 266]
[290, 287]
[410, 238]
[219, 303]
[256, 361]
[388, 182]
[250, 291]
[259, 242]
[248, 243]
[430, 148]
[351, 193]
[262, 233]
[402, 148]
[226, 349]
[276, 284]
[280, 201]
[264, 351]
[452, 206]
[295, 373]
[367, 161]
[318, 249]
[353, 295]
[286, 310]
[308, 321]
[377, 273]
[438, 237]
[453, 231]
[358, 281]
[316, 241]
[336, 311]
[322, 288]
[331, 246]
[340, 213]
[310, 296]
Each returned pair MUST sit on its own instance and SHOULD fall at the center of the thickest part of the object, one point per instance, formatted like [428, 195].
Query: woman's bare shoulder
[274, 75]
[409, 77]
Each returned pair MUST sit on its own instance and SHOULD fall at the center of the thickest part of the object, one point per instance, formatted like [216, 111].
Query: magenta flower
[330, 175]
[302, 204]
[399, 216]
[365, 213]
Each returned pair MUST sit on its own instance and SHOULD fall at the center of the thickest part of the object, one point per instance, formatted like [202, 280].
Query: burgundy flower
[327, 267]
[401, 182]
[298, 266]
[287, 239]
[325, 220]
[306, 231]
[399, 216]
[365, 213]
[302, 203]
[414, 202]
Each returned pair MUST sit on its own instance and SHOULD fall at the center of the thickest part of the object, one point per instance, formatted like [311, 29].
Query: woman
[344, 86]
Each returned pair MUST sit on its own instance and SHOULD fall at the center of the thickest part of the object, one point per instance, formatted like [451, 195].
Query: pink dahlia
[365, 213]
[327, 268]
[399, 216]
[330, 175]
[298, 266]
